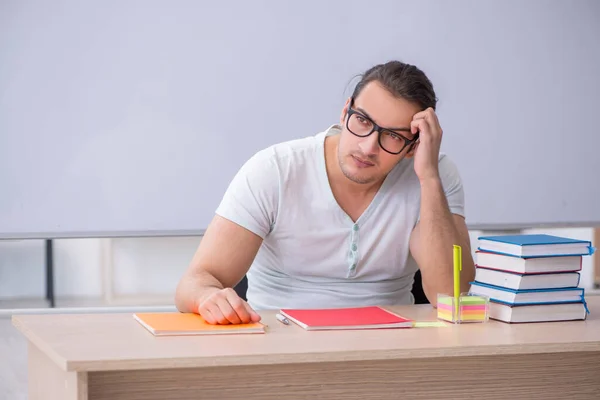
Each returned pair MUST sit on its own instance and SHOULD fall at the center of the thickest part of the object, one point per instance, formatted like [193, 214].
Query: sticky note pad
[473, 300]
[470, 308]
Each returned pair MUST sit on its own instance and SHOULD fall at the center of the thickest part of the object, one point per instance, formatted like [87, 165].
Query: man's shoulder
[298, 146]
[446, 165]
[295, 149]
[444, 158]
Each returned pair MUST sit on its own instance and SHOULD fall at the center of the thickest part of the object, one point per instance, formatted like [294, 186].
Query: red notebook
[346, 318]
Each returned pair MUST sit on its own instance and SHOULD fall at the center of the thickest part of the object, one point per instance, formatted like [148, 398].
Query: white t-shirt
[313, 255]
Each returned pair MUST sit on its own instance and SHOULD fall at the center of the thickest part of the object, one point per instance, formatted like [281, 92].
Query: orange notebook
[346, 318]
[176, 323]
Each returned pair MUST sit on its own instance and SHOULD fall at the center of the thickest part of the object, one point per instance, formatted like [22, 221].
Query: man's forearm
[193, 289]
[438, 234]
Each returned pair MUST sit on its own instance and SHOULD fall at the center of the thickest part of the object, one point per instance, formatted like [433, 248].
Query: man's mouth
[362, 163]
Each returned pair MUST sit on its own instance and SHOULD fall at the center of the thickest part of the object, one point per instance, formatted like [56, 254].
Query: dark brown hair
[401, 80]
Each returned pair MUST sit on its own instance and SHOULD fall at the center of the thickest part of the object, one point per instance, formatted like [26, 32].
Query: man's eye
[362, 120]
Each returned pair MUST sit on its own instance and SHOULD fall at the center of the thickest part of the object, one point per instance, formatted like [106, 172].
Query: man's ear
[344, 112]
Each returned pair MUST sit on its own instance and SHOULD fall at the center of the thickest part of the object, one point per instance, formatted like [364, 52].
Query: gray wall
[120, 117]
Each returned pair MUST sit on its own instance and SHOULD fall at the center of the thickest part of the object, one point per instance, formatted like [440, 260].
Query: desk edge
[32, 338]
[342, 356]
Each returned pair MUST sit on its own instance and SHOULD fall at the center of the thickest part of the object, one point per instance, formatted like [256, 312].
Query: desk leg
[49, 272]
[48, 381]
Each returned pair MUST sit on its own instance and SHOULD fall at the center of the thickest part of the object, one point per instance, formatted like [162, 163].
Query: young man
[340, 219]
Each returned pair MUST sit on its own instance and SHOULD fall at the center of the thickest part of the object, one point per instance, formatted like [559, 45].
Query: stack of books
[531, 278]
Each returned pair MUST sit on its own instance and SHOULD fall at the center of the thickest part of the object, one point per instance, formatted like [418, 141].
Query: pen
[283, 319]
[457, 269]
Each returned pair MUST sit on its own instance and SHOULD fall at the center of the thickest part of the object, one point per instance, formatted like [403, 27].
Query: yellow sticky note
[430, 324]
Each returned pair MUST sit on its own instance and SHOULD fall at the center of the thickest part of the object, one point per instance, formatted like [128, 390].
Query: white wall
[159, 88]
[143, 267]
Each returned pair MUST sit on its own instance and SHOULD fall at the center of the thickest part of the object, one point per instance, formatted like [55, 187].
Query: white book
[538, 313]
[515, 281]
[528, 265]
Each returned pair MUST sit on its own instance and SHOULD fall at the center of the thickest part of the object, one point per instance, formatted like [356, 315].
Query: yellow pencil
[457, 269]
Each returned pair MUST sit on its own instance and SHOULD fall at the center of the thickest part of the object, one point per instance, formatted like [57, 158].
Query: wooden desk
[110, 356]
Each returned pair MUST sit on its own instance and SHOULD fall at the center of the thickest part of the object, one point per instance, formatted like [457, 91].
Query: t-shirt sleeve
[452, 184]
[252, 197]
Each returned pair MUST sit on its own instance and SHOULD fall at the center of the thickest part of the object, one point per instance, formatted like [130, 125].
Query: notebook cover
[177, 323]
[345, 316]
[533, 239]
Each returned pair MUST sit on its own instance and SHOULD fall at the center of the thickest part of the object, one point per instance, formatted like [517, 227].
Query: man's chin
[361, 179]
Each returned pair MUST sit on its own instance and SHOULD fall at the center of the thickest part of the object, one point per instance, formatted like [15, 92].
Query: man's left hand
[428, 146]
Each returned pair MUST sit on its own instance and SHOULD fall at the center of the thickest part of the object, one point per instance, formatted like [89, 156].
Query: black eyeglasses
[362, 126]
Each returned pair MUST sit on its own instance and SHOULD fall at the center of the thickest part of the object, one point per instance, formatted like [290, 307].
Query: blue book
[527, 297]
[538, 245]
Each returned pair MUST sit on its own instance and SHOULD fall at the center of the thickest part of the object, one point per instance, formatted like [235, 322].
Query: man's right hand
[224, 306]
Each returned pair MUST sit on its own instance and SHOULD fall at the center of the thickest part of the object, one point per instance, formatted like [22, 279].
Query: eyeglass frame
[379, 129]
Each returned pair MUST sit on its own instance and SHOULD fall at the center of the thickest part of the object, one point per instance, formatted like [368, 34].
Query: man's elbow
[432, 290]
[446, 287]
[467, 274]
[186, 293]
[180, 297]
[466, 281]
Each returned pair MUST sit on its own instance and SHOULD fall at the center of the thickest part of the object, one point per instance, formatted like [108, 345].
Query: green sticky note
[430, 324]
[472, 300]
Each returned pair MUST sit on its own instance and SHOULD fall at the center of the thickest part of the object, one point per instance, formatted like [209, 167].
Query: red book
[346, 318]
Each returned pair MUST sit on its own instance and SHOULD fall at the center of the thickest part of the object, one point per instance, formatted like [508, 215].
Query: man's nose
[370, 144]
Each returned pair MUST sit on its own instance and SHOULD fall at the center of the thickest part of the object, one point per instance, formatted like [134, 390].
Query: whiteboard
[125, 118]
